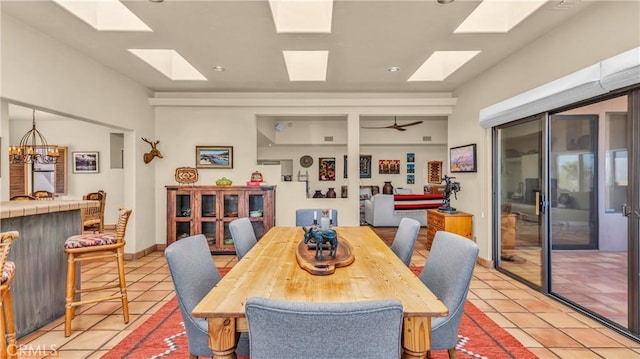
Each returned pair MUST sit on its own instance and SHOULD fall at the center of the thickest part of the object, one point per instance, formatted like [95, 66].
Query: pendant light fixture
[33, 148]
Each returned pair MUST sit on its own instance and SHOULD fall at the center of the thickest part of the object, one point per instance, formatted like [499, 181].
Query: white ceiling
[367, 37]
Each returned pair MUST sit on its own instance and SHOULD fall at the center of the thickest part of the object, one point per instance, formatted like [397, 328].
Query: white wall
[37, 71]
[603, 30]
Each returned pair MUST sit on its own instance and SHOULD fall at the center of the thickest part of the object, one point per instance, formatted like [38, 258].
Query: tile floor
[548, 328]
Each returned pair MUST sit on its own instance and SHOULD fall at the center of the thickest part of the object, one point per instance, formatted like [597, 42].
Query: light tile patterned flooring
[548, 328]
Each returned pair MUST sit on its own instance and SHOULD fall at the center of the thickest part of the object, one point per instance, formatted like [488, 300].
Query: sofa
[386, 210]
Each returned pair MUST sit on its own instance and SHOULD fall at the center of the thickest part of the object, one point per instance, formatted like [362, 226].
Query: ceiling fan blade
[411, 124]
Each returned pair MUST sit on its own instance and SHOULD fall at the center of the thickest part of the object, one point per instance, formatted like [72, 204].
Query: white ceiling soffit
[441, 64]
[104, 15]
[169, 63]
[611, 74]
[498, 15]
[306, 65]
[302, 16]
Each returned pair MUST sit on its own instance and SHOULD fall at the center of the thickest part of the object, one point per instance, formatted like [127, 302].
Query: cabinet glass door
[208, 207]
[230, 205]
[183, 205]
[256, 205]
[209, 231]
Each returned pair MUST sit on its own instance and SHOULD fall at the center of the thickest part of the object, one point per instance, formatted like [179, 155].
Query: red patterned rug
[163, 336]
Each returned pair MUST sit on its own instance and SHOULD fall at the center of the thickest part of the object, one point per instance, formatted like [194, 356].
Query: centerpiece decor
[311, 256]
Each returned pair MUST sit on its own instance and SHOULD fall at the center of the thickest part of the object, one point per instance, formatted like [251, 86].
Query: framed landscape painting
[86, 162]
[463, 159]
[214, 156]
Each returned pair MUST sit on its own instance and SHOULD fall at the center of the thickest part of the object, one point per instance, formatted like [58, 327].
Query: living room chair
[93, 217]
[8, 343]
[405, 239]
[310, 330]
[447, 274]
[244, 238]
[89, 246]
[304, 217]
[194, 274]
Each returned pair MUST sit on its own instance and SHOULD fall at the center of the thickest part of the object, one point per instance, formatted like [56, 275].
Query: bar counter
[38, 290]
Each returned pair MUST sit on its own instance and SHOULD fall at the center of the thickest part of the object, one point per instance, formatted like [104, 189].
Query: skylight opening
[104, 15]
[306, 65]
[441, 64]
[169, 63]
[498, 16]
[302, 16]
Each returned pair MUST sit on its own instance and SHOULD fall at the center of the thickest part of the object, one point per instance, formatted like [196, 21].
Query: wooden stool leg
[3, 327]
[71, 286]
[10, 330]
[123, 284]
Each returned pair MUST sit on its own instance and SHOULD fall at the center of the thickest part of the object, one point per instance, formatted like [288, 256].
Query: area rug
[163, 336]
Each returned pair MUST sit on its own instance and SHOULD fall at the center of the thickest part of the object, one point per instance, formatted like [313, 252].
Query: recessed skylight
[306, 65]
[296, 16]
[498, 15]
[104, 15]
[441, 64]
[169, 63]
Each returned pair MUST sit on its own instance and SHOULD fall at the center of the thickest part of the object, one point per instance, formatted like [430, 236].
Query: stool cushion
[90, 240]
[7, 271]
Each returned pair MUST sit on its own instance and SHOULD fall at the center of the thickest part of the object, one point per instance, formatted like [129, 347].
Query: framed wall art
[86, 162]
[365, 166]
[214, 156]
[327, 169]
[463, 159]
[389, 167]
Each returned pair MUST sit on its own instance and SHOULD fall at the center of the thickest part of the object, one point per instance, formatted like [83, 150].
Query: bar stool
[8, 344]
[93, 246]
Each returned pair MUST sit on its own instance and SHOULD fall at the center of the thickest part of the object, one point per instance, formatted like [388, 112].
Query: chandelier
[33, 148]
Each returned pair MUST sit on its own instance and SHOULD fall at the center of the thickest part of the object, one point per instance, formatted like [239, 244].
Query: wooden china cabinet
[208, 210]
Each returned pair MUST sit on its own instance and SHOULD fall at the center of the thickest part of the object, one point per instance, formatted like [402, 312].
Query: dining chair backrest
[405, 239]
[43, 195]
[304, 217]
[193, 274]
[93, 217]
[310, 330]
[244, 238]
[447, 273]
[23, 197]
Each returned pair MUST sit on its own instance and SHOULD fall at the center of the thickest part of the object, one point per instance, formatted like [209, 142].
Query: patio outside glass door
[518, 194]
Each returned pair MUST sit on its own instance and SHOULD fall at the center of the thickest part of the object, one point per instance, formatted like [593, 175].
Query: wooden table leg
[416, 337]
[222, 337]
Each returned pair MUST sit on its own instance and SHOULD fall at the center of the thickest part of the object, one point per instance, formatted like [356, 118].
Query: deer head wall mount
[154, 151]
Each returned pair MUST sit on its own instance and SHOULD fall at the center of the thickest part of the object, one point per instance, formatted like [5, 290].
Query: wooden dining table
[270, 270]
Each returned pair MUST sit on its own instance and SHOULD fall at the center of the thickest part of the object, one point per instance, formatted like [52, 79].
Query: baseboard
[144, 252]
[483, 262]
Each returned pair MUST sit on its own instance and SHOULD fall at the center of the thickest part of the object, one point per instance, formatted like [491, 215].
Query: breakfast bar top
[11, 209]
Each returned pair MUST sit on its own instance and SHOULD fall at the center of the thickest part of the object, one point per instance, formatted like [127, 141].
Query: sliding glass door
[520, 158]
[567, 195]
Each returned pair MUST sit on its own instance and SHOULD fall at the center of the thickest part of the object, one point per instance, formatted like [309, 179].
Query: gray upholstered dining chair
[304, 217]
[312, 330]
[194, 274]
[405, 239]
[244, 238]
[447, 274]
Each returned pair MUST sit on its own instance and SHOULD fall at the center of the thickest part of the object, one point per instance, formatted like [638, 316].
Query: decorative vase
[318, 194]
[331, 193]
[387, 188]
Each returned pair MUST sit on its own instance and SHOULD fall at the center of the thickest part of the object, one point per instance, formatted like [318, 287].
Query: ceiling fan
[396, 126]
